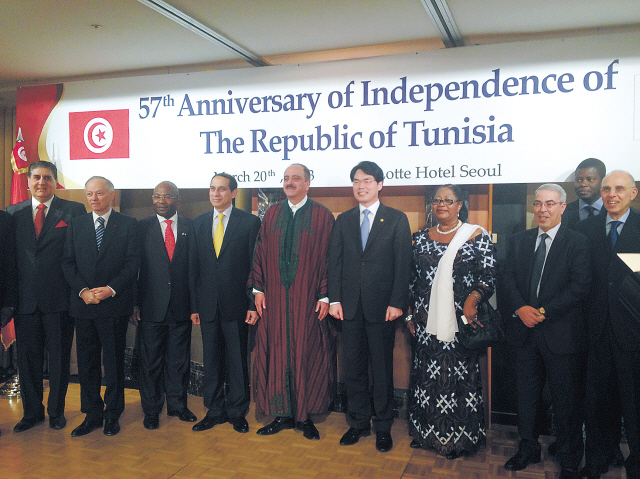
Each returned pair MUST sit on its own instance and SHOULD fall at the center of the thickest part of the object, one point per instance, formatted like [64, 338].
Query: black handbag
[490, 334]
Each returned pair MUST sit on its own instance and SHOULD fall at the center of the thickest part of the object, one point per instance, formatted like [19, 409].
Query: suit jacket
[571, 215]
[7, 261]
[608, 274]
[380, 274]
[163, 285]
[221, 282]
[41, 282]
[115, 265]
[563, 288]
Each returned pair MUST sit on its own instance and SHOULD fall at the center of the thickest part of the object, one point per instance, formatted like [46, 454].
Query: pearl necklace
[451, 230]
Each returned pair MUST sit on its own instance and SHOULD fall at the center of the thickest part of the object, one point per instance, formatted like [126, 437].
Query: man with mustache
[543, 284]
[294, 343]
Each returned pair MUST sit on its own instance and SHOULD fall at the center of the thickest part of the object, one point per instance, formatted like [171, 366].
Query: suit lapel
[354, 227]
[376, 227]
[232, 226]
[553, 256]
[110, 232]
[182, 234]
[158, 239]
[628, 239]
[52, 218]
[527, 253]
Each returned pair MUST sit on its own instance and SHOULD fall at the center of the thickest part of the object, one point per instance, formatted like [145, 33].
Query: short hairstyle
[307, 171]
[171, 184]
[553, 187]
[43, 164]
[233, 183]
[633, 181]
[593, 163]
[368, 168]
[110, 186]
[463, 215]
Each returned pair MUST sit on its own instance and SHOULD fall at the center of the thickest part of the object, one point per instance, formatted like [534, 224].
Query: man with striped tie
[100, 263]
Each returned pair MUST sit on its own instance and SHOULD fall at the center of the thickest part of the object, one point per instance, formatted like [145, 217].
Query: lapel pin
[381, 220]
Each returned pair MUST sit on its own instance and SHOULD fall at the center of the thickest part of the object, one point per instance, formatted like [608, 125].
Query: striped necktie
[99, 231]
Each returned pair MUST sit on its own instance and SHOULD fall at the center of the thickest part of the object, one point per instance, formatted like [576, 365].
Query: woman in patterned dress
[445, 402]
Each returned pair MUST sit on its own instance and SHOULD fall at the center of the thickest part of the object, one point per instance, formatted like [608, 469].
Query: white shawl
[441, 319]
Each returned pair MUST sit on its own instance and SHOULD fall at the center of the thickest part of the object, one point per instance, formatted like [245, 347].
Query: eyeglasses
[549, 204]
[615, 189]
[164, 197]
[366, 182]
[446, 201]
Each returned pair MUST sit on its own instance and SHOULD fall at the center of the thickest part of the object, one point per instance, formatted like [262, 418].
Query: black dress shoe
[27, 423]
[239, 424]
[309, 430]
[617, 459]
[524, 457]
[111, 427]
[415, 445]
[151, 421]
[57, 422]
[553, 448]
[566, 473]
[209, 421]
[353, 435]
[86, 427]
[280, 424]
[384, 443]
[184, 415]
[589, 472]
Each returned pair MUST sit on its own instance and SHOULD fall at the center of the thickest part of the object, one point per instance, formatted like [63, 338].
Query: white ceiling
[52, 41]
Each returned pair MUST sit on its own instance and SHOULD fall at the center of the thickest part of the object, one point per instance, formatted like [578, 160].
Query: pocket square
[61, 224]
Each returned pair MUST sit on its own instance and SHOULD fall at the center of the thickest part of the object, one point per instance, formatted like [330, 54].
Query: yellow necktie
[218, 235]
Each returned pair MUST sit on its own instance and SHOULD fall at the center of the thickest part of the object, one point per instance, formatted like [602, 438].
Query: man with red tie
[42, 310]
[162, 311]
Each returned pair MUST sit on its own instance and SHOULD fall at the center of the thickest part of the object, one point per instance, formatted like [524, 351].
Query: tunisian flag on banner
[19, 193]
[98, 134]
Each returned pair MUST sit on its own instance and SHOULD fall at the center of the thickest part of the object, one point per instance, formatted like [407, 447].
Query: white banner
[510, 113]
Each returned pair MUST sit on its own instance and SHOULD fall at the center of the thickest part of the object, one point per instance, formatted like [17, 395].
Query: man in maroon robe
[293, 367]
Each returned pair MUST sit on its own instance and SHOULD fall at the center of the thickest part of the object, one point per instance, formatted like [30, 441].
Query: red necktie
[39, 221]
[169, 239]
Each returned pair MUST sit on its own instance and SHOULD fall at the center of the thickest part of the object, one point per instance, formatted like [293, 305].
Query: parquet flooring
[175, 451]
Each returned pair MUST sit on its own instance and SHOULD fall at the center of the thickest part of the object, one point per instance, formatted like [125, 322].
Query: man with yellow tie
[220, 256]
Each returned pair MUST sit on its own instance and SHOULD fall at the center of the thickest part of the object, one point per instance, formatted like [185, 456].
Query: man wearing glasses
[542, 287]
[613, 356]
[162, 311]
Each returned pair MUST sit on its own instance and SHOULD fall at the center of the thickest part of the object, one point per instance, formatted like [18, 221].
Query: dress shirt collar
[174, 220]
[552, 232]
[295, 208]
[622, 219]
[226, 212]
[598, 204]
[35, 203]
[373, 209]
[106, 217]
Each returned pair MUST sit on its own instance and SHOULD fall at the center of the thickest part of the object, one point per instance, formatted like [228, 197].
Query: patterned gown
[445, 402]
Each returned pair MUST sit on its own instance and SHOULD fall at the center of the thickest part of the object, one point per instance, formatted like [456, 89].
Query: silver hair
[633, 182]
[553, 187]
[110, 186]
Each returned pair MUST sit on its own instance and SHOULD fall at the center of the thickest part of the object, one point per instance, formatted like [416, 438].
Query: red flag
[98, 134]
[19, 193]
[20, 166]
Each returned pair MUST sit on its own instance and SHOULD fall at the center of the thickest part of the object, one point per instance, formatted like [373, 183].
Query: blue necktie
[99, 231]
[364, 229]
[613, 234]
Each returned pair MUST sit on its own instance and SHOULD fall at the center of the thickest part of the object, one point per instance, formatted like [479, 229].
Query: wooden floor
[174, 450]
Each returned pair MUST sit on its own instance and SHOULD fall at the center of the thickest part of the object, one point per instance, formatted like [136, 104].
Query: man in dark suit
[8, 289]
[543, 283]
[162, 311]
[369, 269]
[613, 355]
[221, 245]
[100, 263]
[42, 309]
[587, 179]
